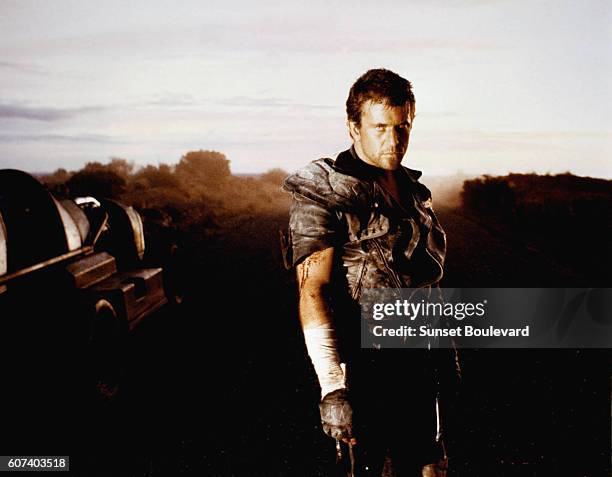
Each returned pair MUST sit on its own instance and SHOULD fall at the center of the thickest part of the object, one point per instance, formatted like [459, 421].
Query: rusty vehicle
[74, 285]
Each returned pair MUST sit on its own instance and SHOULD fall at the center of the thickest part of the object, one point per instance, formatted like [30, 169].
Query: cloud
[516, 141]
[270, 34]
[259, 102]
[187, 101]
[22, 67]
[13, 111]
[172, 100]
[438, 114]
[60, 138]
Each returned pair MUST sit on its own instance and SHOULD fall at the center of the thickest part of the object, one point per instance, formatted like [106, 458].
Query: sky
[501, 85]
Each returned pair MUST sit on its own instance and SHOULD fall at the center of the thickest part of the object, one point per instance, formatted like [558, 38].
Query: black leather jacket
[385, 244]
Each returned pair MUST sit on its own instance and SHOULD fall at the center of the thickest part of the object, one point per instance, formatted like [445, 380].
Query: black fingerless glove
[337, 414]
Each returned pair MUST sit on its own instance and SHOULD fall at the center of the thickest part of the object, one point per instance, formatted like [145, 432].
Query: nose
[394, 138]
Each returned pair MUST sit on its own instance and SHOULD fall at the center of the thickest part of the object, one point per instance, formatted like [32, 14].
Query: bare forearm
[314, 307]
[316, 319]
[313, 276]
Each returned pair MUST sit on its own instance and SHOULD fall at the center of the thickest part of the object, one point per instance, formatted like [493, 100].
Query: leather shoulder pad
[321, 183]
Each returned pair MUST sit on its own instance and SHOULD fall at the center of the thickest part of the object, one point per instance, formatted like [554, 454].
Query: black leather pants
[395, 420]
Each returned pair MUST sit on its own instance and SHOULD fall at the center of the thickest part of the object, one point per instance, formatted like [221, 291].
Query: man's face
[381, 139]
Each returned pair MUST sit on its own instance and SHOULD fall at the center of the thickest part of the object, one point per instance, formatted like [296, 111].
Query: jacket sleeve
[313, 226]
[314, 222]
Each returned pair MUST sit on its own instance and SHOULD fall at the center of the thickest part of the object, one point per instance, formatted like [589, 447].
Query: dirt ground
[222, 386]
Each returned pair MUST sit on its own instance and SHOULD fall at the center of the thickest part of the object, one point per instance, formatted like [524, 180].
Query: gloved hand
[337, 415]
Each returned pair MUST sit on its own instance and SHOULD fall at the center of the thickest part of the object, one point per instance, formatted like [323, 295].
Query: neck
[388, 180]
[387, 175]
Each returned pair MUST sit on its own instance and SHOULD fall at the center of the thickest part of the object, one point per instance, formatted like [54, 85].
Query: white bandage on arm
[321, 346]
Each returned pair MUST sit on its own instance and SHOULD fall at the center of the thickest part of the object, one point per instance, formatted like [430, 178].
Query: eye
[380, 127]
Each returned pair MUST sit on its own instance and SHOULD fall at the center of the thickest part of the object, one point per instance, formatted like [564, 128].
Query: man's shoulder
[314, 174]
[322, 182]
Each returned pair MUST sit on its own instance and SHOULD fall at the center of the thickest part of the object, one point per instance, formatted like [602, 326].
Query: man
[364, 221]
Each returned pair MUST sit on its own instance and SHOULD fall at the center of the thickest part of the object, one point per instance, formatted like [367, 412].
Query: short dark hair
[378, 85]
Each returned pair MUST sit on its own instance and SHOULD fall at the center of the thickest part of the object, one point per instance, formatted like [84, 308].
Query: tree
[275, 176]
[97, 182]
[155, 177]
[209, 168]
[56, 182]
[121, 167]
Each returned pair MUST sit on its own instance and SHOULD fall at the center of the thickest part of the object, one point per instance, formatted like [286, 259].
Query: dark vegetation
[199, 189]
[566, 217]
[223, 386]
